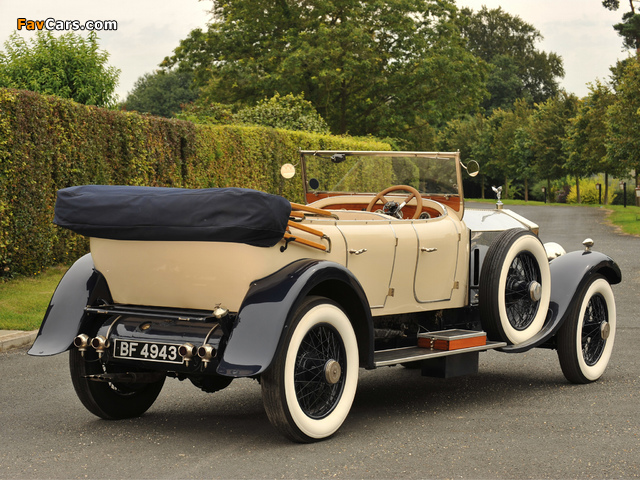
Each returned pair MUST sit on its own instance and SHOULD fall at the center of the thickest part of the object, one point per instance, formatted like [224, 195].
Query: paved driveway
[518, 418]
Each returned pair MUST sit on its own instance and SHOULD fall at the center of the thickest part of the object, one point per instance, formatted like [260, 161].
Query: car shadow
[394, 393]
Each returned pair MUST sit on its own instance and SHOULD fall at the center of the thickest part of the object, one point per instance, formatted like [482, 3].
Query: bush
[588, 192]
[618, 195]
[207, 113]
[48, 143]
[558, 191]
[291, 112]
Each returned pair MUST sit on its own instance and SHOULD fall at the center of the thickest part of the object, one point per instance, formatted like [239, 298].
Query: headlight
[554, 250]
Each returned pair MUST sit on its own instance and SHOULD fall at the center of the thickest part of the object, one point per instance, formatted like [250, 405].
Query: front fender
[267, 309]
[568, 274]
[63, 319]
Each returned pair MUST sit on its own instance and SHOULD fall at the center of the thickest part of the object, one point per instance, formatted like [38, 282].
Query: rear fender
[267, 310]
[82, 285]
[569, 273]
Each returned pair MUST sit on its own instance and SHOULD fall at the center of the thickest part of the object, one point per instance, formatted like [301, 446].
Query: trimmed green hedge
[48, 143]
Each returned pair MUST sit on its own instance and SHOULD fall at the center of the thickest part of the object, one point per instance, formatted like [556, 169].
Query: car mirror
[472, 167]
[287, 170]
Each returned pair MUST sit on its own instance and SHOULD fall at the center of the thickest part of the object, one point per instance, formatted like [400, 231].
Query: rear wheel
[585, 340]
[309, 389]
[109, 400]
[515, 287]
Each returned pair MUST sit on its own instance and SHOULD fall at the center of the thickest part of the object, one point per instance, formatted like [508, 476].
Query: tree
[68, 66]
[161, 93]
[586, 138]
[546, 131]
[518, 68]
[378, 67]
[623, 125]
[629, 28]
[468, 134]
[496, 146]
[510, 160]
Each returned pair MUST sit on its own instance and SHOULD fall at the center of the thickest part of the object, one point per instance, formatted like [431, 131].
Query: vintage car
[382, 266]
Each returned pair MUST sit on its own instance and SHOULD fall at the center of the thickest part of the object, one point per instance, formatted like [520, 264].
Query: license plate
[147, 351]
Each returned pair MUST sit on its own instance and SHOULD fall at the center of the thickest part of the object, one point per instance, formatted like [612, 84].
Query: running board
[394, 356]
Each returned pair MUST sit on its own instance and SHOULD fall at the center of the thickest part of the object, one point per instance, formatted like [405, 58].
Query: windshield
[361, 172]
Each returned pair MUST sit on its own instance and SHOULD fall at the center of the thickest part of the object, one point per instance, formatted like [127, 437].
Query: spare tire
[515, 287]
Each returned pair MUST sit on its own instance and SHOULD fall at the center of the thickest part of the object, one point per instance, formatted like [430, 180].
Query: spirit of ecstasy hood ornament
[498, 192]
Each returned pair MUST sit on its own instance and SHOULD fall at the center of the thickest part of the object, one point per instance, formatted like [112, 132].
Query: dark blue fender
[569, 273]
[267, 310]
[79, 287]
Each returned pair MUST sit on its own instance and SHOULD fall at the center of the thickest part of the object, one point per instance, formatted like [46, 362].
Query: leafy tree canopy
[161, 93]
[69, 66]
[508, 44]
[623, 115]
[547, 130]
[629, 28]
[587, 134]
[378, 67]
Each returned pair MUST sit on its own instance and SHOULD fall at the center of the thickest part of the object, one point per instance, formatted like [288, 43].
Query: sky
[580, 31]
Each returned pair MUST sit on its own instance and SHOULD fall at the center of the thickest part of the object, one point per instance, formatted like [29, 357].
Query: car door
[371, 248]
[437, 259]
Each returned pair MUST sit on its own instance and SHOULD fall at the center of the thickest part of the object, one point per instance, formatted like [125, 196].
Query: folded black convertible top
[156, 213]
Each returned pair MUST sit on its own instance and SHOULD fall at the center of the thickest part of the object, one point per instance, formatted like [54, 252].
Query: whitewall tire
[515, 287]
[585, 340]
[309, 388]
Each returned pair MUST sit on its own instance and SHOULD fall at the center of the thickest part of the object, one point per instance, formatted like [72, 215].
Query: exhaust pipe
[187, 351]
[100, 344]
[82, 343]
[206, 353]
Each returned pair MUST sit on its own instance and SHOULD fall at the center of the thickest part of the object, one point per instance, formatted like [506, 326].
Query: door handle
[428, 250]
[357, 252]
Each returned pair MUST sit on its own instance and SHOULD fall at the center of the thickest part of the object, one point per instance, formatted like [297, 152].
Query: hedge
[48, 143]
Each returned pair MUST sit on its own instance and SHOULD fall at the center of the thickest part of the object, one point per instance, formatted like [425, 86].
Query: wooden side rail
[315, 211]
[304, 241]
[306, 228]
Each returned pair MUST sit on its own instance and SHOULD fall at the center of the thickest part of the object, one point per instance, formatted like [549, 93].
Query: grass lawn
[628, 219]
[24, 301]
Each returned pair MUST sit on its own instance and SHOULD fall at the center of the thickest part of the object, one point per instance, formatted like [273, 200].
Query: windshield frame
[452, 200]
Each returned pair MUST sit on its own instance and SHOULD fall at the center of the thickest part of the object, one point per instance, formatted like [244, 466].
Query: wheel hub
[535, 291]
[605, 330]
[332, 372]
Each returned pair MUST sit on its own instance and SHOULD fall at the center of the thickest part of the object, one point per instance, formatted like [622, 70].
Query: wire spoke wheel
[515, 287]
[309, 388]
[320, 348]
[521, 308]
[585, 340]
[592, 342]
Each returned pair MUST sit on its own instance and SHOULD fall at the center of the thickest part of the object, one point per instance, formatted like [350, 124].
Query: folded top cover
[155, 213]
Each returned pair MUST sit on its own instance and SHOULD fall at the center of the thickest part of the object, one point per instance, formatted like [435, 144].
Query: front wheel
[585, 340]
[515, 287]
[309, 388]
[111, 401]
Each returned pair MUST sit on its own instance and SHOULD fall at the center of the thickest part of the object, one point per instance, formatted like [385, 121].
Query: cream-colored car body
[402, 265]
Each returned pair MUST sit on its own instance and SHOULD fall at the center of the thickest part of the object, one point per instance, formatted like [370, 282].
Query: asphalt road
[518, 418]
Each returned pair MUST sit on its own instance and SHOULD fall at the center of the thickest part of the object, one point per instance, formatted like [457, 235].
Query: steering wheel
[413, 193]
